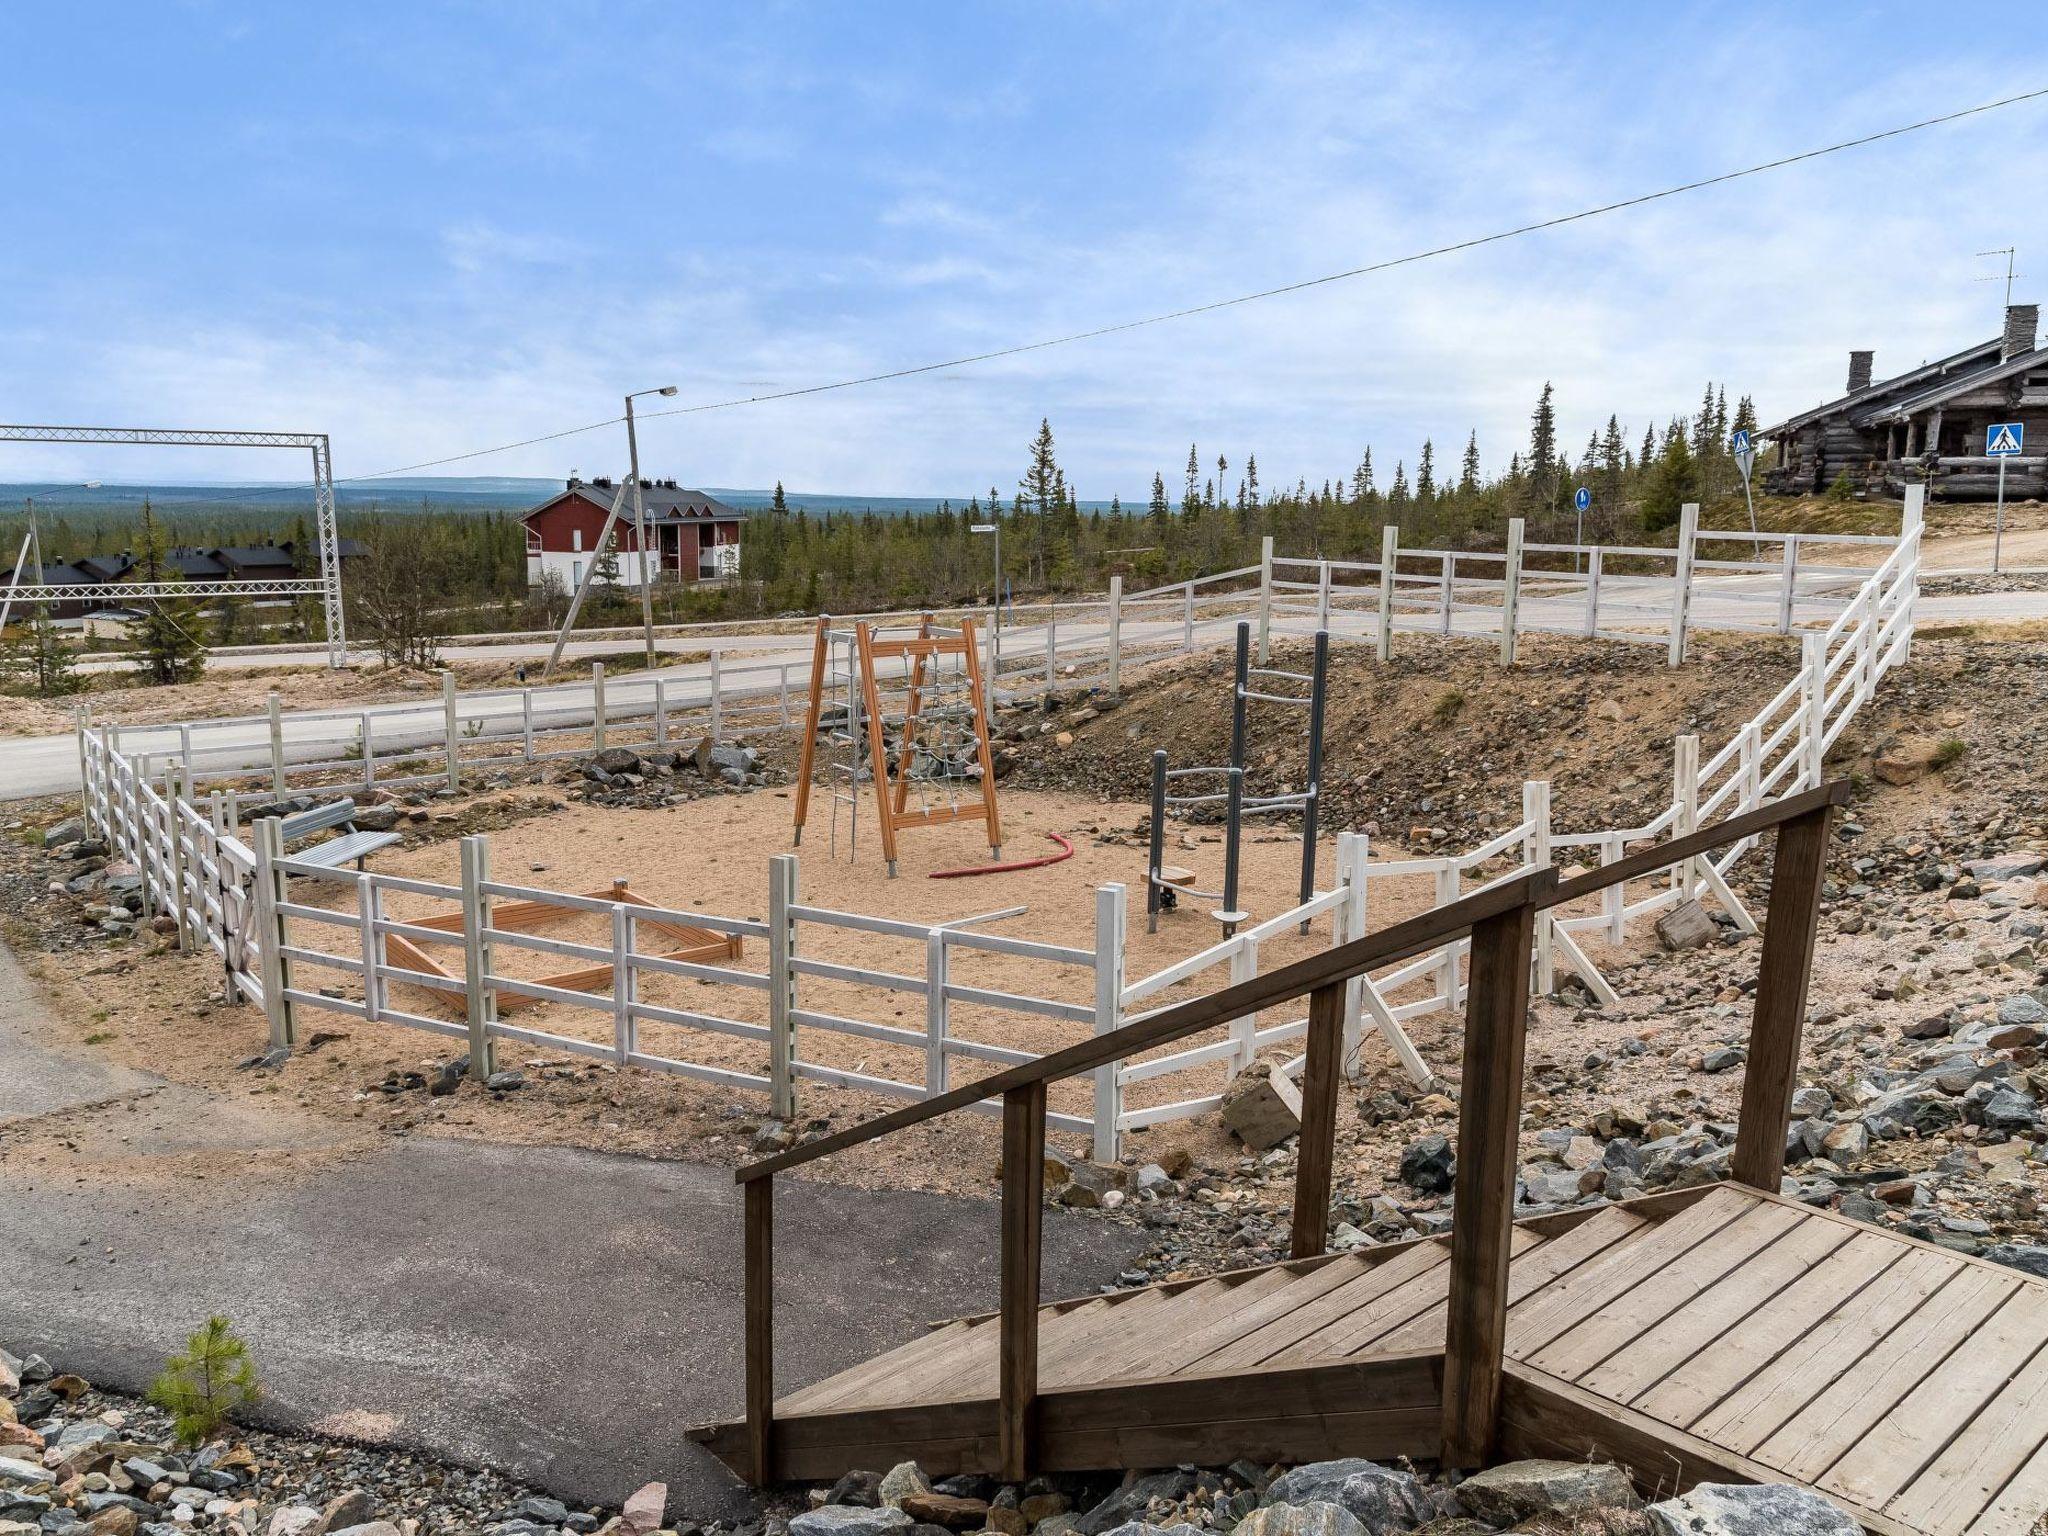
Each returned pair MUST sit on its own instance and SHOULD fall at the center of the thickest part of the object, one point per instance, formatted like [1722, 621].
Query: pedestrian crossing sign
[2003, 439]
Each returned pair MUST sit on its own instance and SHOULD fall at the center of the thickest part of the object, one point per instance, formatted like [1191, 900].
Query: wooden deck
[1719, 1335]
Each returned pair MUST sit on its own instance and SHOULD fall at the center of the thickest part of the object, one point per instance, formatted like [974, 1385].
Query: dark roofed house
[104, 568]
[59, 573]
[1925, 425]
[695, 537]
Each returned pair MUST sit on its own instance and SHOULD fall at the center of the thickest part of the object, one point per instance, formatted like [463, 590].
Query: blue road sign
[1582, 498]
[2004, 439]
[1739, 443]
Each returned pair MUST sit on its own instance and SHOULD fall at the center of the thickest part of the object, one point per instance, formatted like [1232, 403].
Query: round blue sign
[1582, 498]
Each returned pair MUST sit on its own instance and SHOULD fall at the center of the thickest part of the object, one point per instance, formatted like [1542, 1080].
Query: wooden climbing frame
[923, 656]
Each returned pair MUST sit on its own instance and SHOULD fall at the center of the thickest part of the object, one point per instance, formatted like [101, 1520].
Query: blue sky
[428, 228]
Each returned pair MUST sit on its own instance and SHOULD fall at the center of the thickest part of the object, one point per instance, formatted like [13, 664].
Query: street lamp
[995, 628]
[640, 519]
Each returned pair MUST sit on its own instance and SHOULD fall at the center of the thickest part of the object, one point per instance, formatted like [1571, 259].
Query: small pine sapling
[202, 1388]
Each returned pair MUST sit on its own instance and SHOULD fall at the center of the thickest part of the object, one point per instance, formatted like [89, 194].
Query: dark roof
[1970, 358]
[347, 549]
[666, 501]
[56, 573]
[106, 567]
[1958, 384]
[197, 565]
[261, 556]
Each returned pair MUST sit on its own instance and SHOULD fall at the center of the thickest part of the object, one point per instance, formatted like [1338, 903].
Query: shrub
[1949, 750]
[202, 1388]
[1447, 705]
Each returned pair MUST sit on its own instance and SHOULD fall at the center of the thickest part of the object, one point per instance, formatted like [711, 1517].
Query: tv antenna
[2009, 253]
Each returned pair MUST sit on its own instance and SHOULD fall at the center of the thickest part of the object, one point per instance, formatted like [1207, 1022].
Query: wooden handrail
[1500, 919]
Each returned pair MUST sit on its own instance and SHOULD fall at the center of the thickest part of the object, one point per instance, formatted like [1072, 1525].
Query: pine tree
[1042, 492]
[1251, 479]
[1744, 419]
[1613, 461]
[779, 506]
[1649, 454]
[1190, 502]
[203, 1388]
[168, 636]
[1542, 448]
[1397, 493]
[1468, 470]
[1361, 479]
[1156, 510]
[36, 659]
[1425, 473]
[1673, 482]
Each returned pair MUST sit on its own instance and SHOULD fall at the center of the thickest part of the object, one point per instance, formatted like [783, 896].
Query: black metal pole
[1317, 695]
[1155, 856]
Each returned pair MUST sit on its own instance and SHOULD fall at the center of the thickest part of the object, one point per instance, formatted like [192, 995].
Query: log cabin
[1926, 425]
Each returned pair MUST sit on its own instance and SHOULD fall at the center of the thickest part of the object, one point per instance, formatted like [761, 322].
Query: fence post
[1353, 851]
[623, 985]
[1814, 706]
[1788, 583]
[1447, 584]
[1511, 592]
[781, 985]
[476, 956]
[1109, 999]
[1052, 646]
[370, 912]
[1681, 579]
[1265, 598]
[369, 753]
[1536, 853]
[275, 969]
[661, 712]
[276, 745]
[1685, 796]
[717, 703]
[178, 904]
[1187, 616]
[1489, 1116]
[1390, 556]
[526, 724]
[760, 1329]
[782, 693]
[1116, 632]
[1594, 562]
[81, 716]
[1244, 965]
[1322, 594]
[597, 706]
[1023, 1217]
[1448, 884]
[451, 728]
[1910, 526]
[934, 1012]
[1320, 1075]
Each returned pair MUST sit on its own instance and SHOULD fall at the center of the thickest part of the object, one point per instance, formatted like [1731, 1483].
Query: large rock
[1380, 1498]
[900, 1481]
[1263, 1106]
[954, 1511]
[1685, 926]
[1131, 1500]
[1518, 1489]
[1428, 1166]
[1311, 1519]
[1762, 1509]
[616, 760]
[850, 1520]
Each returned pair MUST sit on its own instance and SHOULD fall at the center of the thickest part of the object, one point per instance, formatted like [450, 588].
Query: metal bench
[352, 847]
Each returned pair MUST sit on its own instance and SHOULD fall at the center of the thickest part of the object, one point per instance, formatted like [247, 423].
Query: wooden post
[1390, 556]
[1536, 854]
[1489, 1116]
[782, 874]
[1023, 1222]
[1187, 617]
[81, 722]
[1685, 799]
[526, 725]
[1322, 594]
[661, 712]
[1780, 1013]
[597, 706]
[1594, 562]
[1109, 997]
[1347, 924]
[760, 1264]
[1511, 592]
[275, 970]
[717, 702]
[1911, 524]
[935, 1063]
[369, 754]
[1788, 582]
[1265, 598]
[1813, 704]
[178, 903]
[276, 706]
[481, 997]
[1317, 1149]
[1116, 632]
[1681, 579]
[451, 729]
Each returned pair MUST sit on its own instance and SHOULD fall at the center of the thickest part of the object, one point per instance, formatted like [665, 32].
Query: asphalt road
[561, 1315]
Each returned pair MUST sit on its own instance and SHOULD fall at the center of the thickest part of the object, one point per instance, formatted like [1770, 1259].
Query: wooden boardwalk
[1722, 1335]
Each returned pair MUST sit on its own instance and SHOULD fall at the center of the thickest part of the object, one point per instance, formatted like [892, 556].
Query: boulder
[1428, 1166]
[850, 1520]
[1311, 1519]
[1516, 1490]
[1685, 926]
[1761, 1509]
[862, 1488]
[951, 1510]
[1127, 1505]
[349, 1509]
[616, 760]
[70, 830]
[1380, 1498]
[1262, 1106]
[292, 1520]
[901, 1480]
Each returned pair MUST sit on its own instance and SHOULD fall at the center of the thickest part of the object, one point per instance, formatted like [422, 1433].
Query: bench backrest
[300, 823]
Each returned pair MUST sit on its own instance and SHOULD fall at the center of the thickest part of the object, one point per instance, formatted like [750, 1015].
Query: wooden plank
[1988, 1460]
[1779, 1016]
[1681, 1396]
[1544, 1417]
[1591, 1286]
[1892, 1451]
[1815, 1437]
[2018, 1506]
[1489, 1122]
[1530, 1272]
[760, 1330]
[1023, 1230]
[1356, 1334]
[1624, 1319]
[1317, 1144]
[1743, 1297]
[1223, 1319]
[1261, 1343]
[905, 1363]
[1748, 1415]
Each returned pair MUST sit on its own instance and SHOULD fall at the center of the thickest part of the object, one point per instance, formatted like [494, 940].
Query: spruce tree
[168, 637]
[1542, 449]
[1156, 510]
[1191, 498]
[1425, 473]
[1468, 470]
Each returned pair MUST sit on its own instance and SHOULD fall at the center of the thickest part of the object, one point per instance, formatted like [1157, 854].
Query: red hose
[1066, 852]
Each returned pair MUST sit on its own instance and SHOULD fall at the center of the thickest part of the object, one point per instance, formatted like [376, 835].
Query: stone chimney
[1859, 370]
[2022, 324]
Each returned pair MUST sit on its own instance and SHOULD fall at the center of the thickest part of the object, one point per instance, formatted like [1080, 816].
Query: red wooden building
[691, 536]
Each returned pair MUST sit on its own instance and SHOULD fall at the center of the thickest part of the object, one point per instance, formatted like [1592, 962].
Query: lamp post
[640, 520]
[995, 628]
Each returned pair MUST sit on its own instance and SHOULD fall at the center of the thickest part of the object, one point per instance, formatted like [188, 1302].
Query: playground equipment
[1163, 885]
[937, 711]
